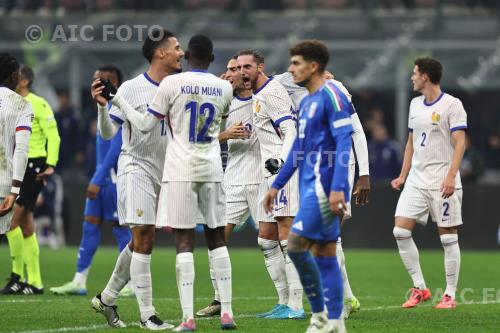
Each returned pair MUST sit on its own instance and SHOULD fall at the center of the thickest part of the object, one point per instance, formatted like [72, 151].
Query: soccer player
[195, 103]
[101, 202]
[42, 158]
[15, 131]
[139, 176]
[276, 130]
[436, 144]
[321, 153]
[362, 188]
[243, 173]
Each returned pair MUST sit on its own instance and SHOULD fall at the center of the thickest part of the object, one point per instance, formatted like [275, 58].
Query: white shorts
[184, 204]
[5, 220]
[416, 203]
[287, 200]
[352, 172]
[242, 201]
[137, 199]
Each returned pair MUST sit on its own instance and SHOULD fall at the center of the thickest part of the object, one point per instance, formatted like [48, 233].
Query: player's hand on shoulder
[96, 90]
[448, 187]
[397, 183]
[273, 165]
[362, 190]
[92, 191]
[337, 202]
[269, 200]
[8, 204]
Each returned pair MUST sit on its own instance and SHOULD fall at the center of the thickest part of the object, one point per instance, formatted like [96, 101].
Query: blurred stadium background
[373, 44]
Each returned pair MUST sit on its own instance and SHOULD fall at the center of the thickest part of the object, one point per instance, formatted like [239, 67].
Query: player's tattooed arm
[405, 169]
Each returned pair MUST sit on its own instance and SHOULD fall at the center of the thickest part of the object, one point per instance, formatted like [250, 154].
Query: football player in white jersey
[243, 173]
[195, 103]
[15, 131]
[139, 175]
[362, 188]
[276, 131]
[435, 148]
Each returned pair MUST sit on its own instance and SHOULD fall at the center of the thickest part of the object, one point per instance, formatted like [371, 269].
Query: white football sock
[212, 277]
[451, 262]
[341, 258]
[140, 275]
[275, 264]
[80, 278]
[409, 254]
[184, 267]
[119, 278]
[293, 279]
[222, 271]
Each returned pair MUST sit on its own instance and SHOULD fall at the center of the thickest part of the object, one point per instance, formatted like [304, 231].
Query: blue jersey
[322, 148]
[107, 152]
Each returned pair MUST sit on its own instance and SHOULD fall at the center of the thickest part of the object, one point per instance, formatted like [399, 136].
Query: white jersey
[140, 150]
[244, 166]
[15, 115]
[432, 125]
[297, 94]
[195, 103]
[271, 106]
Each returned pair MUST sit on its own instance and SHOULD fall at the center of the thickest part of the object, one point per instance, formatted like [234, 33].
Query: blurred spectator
[69, 131]
[376, 117]
[493, 151]
[384, 152]
[472, 166]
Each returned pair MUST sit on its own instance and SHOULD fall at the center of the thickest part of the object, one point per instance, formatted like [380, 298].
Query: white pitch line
[161, 299]
[241, 316]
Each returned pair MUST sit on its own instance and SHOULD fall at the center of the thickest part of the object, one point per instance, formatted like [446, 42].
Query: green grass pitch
[377, 277]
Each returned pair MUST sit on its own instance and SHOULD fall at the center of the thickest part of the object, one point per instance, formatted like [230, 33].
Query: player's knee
[401, 233]
[267, 245]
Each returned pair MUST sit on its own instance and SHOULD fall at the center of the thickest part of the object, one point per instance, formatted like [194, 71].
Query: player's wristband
[15, 190]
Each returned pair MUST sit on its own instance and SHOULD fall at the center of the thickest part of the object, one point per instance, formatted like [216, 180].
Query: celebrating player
[195, 103]
[324, 138]
[42, 158]
[436, 144]
[276, 131]
[139, 176]
[101, 202]
[15, 131]
[243, 173]
[362, 188]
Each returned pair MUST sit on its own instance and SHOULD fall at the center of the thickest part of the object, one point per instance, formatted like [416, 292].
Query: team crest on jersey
[139, 212]
[436, 117]
[257, 107]
[312, 110]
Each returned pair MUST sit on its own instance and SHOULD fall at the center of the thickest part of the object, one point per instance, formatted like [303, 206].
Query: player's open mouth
[246, 79]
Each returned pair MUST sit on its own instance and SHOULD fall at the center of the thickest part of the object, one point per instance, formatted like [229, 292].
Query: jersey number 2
[424, 137]
[201, 136]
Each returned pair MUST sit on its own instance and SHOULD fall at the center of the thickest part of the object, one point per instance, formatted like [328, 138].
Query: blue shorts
[104, 206]
[316, 221]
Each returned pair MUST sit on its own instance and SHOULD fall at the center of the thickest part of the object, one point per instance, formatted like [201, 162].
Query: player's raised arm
[156, 111]
[108, 127]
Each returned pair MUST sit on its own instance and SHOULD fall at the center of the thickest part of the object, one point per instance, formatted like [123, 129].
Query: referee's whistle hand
[269, 200]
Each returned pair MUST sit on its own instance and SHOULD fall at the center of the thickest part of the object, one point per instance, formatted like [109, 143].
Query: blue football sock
[88, 245]
[122, 235]
[332, 285]
[310, 278]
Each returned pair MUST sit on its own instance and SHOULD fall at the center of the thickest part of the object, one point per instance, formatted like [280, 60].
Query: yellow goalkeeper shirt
[44, 140]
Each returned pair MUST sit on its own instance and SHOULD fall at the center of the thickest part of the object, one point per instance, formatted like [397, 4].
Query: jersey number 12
[201, 136]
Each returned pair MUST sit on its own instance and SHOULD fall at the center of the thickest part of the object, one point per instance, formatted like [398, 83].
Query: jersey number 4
[201, 136]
